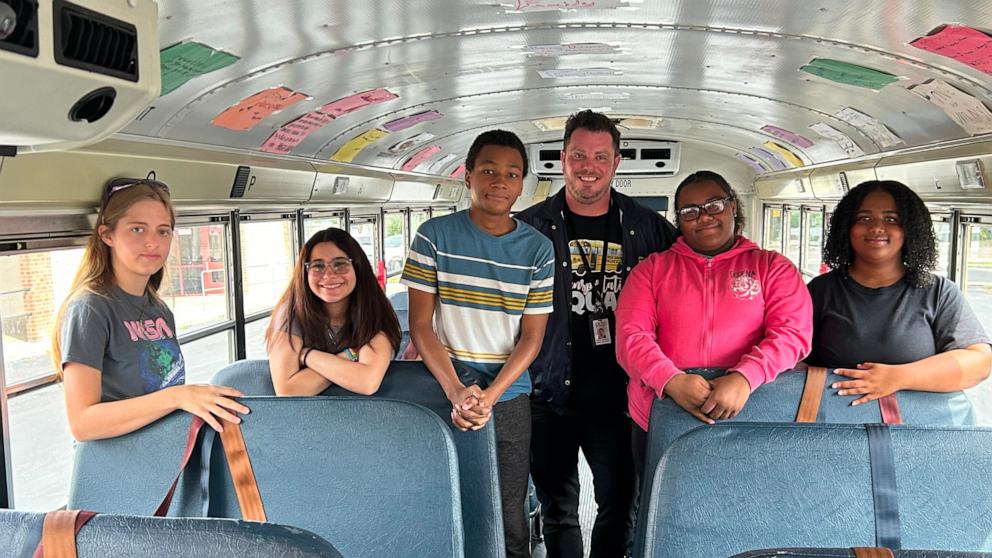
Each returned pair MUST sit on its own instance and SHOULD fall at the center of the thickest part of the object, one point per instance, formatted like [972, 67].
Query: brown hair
[369, 311]
[96, 270]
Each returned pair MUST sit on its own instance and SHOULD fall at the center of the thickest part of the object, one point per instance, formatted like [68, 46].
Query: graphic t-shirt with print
[597, 381]
[130, 339]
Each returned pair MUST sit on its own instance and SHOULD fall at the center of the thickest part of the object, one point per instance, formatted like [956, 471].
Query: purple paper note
[791, 137]
[412, 120]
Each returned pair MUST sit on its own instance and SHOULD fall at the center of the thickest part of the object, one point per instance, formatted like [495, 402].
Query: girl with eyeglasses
[334, 324]
[881, 316]
[114, 343]
[713, 300]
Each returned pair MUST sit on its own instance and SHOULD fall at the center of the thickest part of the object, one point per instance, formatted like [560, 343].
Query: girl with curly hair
[881, 317]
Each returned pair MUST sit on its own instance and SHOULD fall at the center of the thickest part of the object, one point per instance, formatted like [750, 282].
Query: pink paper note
[412, 120]
[420, 156]
[358, 100]
[964, 44]
[251, 110]
[290, 135]
[791, 137]
[459, 171]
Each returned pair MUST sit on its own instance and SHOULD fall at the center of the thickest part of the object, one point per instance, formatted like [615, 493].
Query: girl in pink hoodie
[715, 300]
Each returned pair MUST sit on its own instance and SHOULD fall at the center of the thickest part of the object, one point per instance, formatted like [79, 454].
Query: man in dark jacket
[580, 398]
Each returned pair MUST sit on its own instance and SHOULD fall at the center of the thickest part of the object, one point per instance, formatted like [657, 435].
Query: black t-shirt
[897, 324]
[597, 381]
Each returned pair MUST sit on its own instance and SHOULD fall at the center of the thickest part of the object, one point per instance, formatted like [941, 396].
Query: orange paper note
[252, 110]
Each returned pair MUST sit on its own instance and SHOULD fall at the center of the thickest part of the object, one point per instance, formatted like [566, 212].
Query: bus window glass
[195, 284]
[204, 357]
[315, 224]
[942, 232]
[439, 211]
[40, 449]
[417, 218]
[773, 229]
[394, 245]
[793, 246]
[255, 338]
[365, 231]
[977, 285]
[813, 248]
[32, 288]
[267, 254]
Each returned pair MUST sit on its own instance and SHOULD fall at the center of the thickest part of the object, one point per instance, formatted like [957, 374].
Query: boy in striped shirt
[480, 286]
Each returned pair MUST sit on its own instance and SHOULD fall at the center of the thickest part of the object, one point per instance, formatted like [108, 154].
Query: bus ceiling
[772, 87]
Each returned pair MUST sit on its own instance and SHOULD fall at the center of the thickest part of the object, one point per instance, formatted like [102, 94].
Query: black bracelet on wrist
[306, 353]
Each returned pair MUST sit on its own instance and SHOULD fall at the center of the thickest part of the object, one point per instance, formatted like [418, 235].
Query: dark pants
[639, 447]
[605, 443]
[512, 420]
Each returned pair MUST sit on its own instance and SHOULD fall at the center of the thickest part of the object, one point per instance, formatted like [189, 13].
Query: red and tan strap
[809, 404]
[864, 552]
[194, 431]
[889, 406]
[242, 473]
[58, 533]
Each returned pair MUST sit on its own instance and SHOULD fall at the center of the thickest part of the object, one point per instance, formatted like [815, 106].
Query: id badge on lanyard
[600, 321]
[600, 328]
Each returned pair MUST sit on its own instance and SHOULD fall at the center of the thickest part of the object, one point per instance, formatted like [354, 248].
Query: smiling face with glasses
[330, 273]
[705, 216]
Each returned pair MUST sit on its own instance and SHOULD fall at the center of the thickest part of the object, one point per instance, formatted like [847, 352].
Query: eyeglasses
[692, 212]
[338, 266]
[118, 184]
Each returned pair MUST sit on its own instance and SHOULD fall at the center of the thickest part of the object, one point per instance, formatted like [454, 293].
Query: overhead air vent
[95, 42]
[642, 157]
[240, 182]
[19, 26]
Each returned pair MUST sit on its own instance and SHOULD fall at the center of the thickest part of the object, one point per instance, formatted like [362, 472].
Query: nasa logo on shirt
[744, 285]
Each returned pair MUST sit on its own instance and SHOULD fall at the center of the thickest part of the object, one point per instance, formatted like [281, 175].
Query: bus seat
[778, 401]
[157, 537]
[400, 302]
[131, 474]
[411, 381]
[849, 553]
[377, 477]
[734, 487]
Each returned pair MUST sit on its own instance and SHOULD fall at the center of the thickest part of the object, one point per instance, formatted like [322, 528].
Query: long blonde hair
[96, 270]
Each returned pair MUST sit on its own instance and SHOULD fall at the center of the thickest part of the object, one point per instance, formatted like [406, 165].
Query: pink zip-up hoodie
[746, 309]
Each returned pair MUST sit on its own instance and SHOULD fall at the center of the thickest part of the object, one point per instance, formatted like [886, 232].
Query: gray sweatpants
[513, 455]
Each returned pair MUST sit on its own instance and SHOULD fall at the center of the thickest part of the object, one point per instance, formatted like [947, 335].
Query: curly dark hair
[710, 176]
[919, 249]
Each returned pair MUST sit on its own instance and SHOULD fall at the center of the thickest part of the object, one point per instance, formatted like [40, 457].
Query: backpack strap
[863, 552]
[58, 533]
[809, 404]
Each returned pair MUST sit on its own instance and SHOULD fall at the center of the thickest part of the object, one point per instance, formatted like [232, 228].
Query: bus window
[977, 284]
[439, 211]
[268, 253]
[773, 229]
[204, 357]
[395, 244]
[793, 246]
[314, 224]
[195, 284]
[365, 230]
[417, 218]
[813, 247]
[942, 233]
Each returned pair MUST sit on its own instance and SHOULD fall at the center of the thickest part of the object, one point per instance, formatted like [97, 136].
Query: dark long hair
[919, 249]
[369, 311]
[710, 176]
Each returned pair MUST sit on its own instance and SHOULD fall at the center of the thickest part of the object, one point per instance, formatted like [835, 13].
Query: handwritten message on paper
[870, 127]
[420, 156]
[563, 73]
[751, 162]
[549, 5]
[288, 136]
[184, 61]
[965, 110]
[252, 110]
[785, 153]
[570, 49]
[438, 165]
[838, 137]
[773, 159]
[350, 150]
[848, 74]
[358, 100]
[959, 42]
[791, 137]
[459, 171]
[409, 121]
[407, 144]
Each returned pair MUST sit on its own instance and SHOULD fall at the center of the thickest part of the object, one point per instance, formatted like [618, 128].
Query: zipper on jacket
[708, 305]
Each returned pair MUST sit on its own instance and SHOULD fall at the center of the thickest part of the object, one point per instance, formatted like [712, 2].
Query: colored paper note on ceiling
[290, 135]
[549, 5]
[459, 171]
[408, 143]
[350, 150]
[773, 159]
[791, 137]
[846, 143]
[966, 111]
[252, 110]
[354, 102]
[962, 43]
[184, 61]
[412, 120]
[874, 129]
[419, 157]
[848, 74]
[785, 153]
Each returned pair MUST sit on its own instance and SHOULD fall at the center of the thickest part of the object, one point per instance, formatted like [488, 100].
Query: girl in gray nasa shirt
[114, 345]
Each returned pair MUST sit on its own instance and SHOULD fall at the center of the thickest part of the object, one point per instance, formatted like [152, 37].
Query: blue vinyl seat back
[131, 474]
[735, 487]
[378, 477]
[154, 537]
[411, 381]
[400, 302]
[778, 401]
[849, 553]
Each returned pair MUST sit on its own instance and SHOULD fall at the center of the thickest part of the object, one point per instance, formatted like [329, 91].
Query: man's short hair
[592, 122]
[495, 137]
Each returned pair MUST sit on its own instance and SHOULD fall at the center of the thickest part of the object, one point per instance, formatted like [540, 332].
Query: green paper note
[184, 61]
[849, 74]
